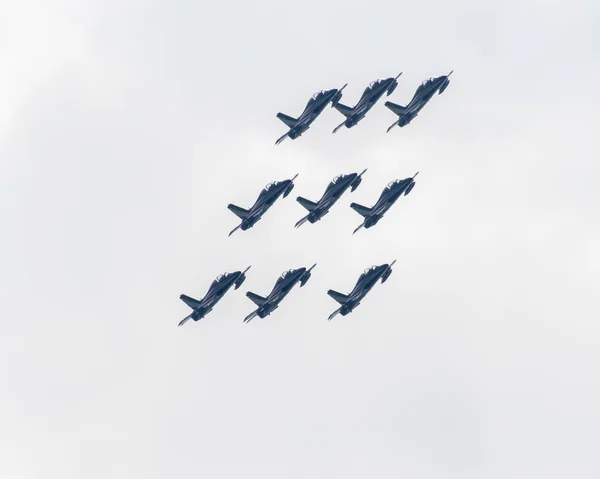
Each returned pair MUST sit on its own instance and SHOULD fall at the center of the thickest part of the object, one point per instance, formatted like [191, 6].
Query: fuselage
[369, 98]
[265, 200]
[281, 289]
[313, 109]
[364, 284]
[215, 292]
[334, 191]
[389, 196]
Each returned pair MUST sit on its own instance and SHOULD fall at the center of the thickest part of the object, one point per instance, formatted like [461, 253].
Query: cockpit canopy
[271, 185]
[392, 183]
[316, 95]
[372, 268]
[220, 277]
[338, 178]
[376, 82]
[286, 273]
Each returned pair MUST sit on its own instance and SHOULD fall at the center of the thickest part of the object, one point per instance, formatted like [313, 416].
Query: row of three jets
[369, 98]
[283, 285]
[316, 211]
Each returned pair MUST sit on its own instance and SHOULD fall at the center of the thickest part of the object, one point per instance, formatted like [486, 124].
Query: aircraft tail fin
[339, 297]
[256, 299]
[343, 109]
[240, 212]
[191, 302]
[361, 210]
[288, 120]
[309, 205]
[397, 109]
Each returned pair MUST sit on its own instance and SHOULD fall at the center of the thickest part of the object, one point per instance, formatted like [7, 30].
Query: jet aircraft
[217, 290]
[283, 286]
[313, 109]
[265, 200]
[421, 97]
[388, 197]
[365, 283]
[370, 96]
[334, 191]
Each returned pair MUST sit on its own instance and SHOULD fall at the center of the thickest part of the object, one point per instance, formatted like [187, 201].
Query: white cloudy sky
[126, 127]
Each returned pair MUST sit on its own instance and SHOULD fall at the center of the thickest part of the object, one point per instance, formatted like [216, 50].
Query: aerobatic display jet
[388, 197]
[265, 200]
[217, 290]
[313, 109]
[282, 287]
[364, 284]
[370, 96]
[423, 94]
[334, 191]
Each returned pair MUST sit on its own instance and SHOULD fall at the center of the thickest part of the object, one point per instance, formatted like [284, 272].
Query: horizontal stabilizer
[240, 212]
[288, 120]
[361, 210]
[191, 302]
[309, 205]
[184, 320]
[339, 297]
[256, 299]
[397, 109]
[343, 109]
[250, 316]
[301, 222]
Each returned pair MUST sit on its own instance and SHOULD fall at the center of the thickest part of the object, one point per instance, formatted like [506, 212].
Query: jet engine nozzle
[386, 275]
[240, 281]
[355, 183]
[392, 88]
[444, 86]
[288, 189]
[305, 277]
[336, 99]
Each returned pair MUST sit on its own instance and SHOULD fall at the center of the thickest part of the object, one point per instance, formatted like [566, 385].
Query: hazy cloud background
[127, 127]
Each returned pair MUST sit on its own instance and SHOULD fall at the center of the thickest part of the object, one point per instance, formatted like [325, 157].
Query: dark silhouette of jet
[283, 286]
[388, 197]
[334, 191]
[370, 96]
[217, 290]
[265, 200]
[364, 284]
[423, 94]
[313, 109]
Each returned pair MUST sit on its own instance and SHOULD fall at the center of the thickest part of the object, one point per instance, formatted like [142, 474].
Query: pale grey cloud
[128, 128]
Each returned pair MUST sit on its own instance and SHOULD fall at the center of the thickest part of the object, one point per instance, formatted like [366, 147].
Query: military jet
[370, 96]
[265, 200]
[364, 284]
[217, 290]
[313, 109]
[423, 94]
[282, 287]
[388, 197]
[334, 191]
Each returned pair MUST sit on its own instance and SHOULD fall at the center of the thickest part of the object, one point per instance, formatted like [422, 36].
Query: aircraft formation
[265, 305]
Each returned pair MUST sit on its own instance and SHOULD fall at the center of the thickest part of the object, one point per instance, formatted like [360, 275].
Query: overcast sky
[126, 127]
